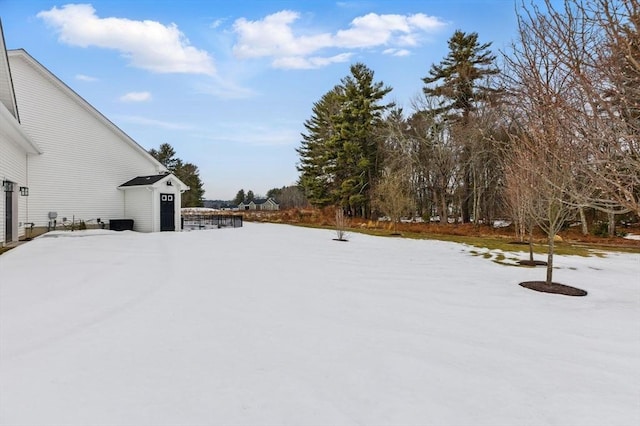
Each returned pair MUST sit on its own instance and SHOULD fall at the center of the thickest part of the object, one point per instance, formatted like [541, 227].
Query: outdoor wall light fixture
[24, 191]
[7, 185]
[169, 183]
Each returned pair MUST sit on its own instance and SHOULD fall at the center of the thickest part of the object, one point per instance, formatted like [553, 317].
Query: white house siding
[139, 207]
[269, 205]
[85, 157]
[15, 147]
[12, 168]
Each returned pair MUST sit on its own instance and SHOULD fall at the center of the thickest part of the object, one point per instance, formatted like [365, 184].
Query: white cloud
[298, 62]
[155, 123]
[216, 23]
[397, 52]
[371, 30]
[136, 97]
[225, 90]
[83, 77]
[147, 44]
[243, 133]
[274, 37]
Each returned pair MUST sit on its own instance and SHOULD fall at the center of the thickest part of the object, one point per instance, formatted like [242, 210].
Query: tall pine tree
[458, 84]
[339, 153]
[360, 125]
[318, 151]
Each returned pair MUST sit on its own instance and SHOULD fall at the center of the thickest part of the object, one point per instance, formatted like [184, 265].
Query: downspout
[26, 204]
[154, 210]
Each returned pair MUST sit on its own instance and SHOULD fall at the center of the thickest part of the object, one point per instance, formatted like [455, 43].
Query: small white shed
[153, 202]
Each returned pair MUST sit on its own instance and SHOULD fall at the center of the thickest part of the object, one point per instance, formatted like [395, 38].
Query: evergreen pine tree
[186, 172]
[240, 197]
[457, 83]
[359, 124]
[339, 153]
[318, 150]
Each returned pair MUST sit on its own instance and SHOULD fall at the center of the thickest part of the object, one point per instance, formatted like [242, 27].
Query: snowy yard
[278, 325]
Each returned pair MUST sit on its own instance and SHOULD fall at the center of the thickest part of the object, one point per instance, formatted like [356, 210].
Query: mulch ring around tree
[554, 288]
[532, 262]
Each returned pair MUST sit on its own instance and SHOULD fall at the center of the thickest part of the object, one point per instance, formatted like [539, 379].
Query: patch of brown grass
[326, 218]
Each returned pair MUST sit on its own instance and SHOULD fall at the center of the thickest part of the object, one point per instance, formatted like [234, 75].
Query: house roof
[42, 70]
[264, 200]
[154, 179]
[9, 119]
[258, 202]
[10, 127]
[7, 94]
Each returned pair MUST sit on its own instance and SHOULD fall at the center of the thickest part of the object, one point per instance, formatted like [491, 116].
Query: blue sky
[229, 84]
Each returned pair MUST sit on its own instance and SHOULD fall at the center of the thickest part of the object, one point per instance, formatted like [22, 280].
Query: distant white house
[261, 204]
[60, 158]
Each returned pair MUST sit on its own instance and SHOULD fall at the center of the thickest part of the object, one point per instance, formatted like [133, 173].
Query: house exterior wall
[269, 205]
[139, 207]
[13, 167]
[85, 157]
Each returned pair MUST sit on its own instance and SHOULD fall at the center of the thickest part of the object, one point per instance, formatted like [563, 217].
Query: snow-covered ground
[278, 325]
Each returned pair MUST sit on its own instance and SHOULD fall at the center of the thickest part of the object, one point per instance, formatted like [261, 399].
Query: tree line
[186, 172]
[287, 197]
[541, 133]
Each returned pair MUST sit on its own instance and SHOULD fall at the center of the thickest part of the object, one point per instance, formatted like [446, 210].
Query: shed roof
[152, 180]
[144, 180]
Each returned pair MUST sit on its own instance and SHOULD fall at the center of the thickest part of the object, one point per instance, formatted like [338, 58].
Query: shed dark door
[8, 221]
[167, 212]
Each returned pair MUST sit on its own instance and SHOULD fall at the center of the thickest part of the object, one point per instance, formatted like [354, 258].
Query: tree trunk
[612, 224]
[583, 221]
[443, 208]
[476, 201]
[522, 230]
[531, 243]
[466, 201]
[465, 205]
[550, 259]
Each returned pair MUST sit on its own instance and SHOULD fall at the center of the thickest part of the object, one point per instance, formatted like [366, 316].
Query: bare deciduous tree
[342, 223]
[392, 196]
[544, 146]
[615, 86]
[596, 48]
[437, 155]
